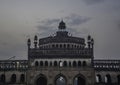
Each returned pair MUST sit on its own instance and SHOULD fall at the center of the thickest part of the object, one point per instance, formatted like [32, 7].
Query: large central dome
[61, 37]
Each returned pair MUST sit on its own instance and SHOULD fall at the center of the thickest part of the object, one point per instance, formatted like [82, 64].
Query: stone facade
[60, 60]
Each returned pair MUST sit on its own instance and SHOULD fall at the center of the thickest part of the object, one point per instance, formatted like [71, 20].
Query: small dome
[29, 40]
[89, 37]
[92, 41]
[62, 25]
[35, 38]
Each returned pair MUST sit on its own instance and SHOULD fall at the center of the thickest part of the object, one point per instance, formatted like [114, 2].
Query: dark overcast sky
[20, 19]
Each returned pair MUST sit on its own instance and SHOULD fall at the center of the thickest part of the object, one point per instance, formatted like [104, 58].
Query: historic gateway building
[60, 60]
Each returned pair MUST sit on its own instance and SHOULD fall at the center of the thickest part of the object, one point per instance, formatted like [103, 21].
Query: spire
[62, 25]
[35, 41]
[29, 43]
[89, 41]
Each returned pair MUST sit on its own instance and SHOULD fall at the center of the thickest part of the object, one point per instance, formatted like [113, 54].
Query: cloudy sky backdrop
[22, 19]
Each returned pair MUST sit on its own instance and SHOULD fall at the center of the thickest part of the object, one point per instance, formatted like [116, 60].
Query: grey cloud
[72, 20]
[75, 20]
[50, 21]
[49, 26]
[8, 50]
[43, 27]
[118, 24]
[3, 43]
[90, 2]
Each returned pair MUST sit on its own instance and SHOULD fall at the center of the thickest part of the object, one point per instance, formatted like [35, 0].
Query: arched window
[2, 78]
[41, 63]
[84, 63]
[61, 64]
[68, 45]
[46, 63]
[60, 45]
[13, 78]
[118, 79]
[50, 63]
[70, 63]
[65, 63]
[75, 46]
[98, 78]
[79, 63]
[55, 63]
[22, 78]
[64, 45]
[72, 46]
[36, 63]
[108, 79]
[74, 64]
[56, 45]
[53, 45]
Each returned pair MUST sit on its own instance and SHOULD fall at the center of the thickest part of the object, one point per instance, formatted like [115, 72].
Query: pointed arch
[41, 80]
[79, 80]
[60, 79]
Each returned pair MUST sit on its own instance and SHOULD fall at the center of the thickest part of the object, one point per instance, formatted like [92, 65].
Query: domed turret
[62, 25]
[29, 43]
[92, 41]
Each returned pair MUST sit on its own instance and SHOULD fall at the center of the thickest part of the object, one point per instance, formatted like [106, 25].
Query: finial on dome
[62, 25]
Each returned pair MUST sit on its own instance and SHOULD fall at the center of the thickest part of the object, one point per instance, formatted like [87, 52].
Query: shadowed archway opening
[36, 63]
[2, 78]
[108, 79]
[65, 63]
[13, 78]
[41, 80]
[98, 78]
[22, 78]
[60, 80]
[79, 80]
[118, 79]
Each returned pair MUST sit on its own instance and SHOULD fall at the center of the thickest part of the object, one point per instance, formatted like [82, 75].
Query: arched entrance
[60, 80]
[2, 78]
[13, 78]
[108, 79]
[41, 80]
[79, 80]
